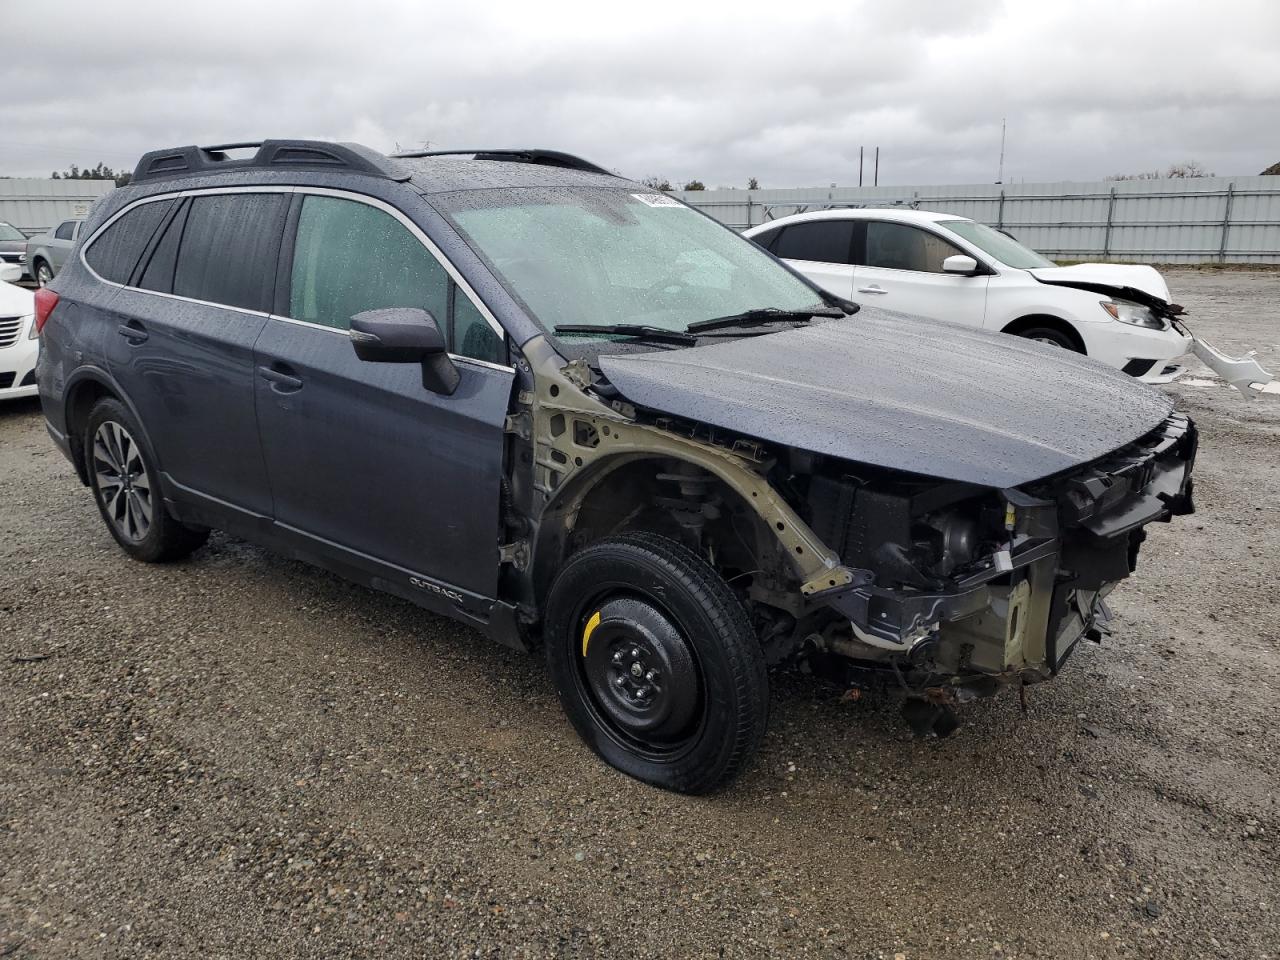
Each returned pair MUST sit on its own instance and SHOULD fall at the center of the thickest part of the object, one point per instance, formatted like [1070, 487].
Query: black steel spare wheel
[656, 663]
[641, 674]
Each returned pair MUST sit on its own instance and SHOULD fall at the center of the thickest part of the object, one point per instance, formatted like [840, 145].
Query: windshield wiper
[637, 331]
[751, 318]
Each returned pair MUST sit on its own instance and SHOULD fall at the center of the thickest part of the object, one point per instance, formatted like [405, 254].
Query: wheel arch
[84, 389]
[1031, 320]
[692, 499]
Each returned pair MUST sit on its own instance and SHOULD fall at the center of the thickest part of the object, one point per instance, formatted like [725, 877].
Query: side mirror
[960, 263]
[406, 335]
[10, 272]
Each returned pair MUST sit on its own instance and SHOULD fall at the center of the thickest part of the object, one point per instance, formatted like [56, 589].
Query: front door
[902, 270]
[365, 462]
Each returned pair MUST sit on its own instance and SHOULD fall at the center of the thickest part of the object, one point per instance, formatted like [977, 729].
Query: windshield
[1004, 248]
[601, 257]
[8, 232]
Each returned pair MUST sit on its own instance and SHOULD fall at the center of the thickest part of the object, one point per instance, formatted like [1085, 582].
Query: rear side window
[824, 241]
[350, 257]
[158, 273]
[229, 249]
[115, 253]
[897, 246]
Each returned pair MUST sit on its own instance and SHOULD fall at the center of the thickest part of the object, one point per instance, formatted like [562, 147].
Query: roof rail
[271, 155]
[550, 158]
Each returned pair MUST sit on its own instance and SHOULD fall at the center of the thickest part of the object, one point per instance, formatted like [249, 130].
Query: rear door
[900, 268]
[363, 460]
[182, 346]
[64, 238]
[820, 249]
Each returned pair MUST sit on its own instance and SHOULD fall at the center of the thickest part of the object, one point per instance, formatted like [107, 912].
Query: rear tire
[126, 488]
[656, 663]
[1051, 336]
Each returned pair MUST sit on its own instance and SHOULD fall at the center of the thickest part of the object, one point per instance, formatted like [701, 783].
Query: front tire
[43, 274]
[1052, 336]
[126, 488]
[656, 663]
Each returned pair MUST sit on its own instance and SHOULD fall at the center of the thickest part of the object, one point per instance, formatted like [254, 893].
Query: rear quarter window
[765, 239]
[115, 253]
[230, 246]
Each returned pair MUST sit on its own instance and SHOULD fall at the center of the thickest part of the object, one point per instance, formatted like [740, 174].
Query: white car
[950, 268]
[18, 344]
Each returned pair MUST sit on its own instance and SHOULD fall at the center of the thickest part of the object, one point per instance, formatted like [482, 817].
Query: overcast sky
[783, 92]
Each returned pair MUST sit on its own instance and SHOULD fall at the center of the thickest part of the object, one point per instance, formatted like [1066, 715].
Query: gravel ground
[242, 756]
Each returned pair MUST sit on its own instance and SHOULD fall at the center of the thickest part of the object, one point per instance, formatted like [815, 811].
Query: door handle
[281, 381]
[874, 288]
[133, 331]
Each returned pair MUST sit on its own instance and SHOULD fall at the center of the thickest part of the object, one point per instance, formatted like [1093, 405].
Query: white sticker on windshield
[657, 200]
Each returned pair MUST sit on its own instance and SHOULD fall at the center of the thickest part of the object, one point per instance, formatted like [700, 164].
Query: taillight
[46, 300]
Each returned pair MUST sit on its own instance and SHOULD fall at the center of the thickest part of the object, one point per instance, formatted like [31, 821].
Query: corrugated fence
[1214, 219]
[34, 206]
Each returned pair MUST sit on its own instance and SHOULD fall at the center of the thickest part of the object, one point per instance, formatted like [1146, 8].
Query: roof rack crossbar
[552, 158]
[191, 161]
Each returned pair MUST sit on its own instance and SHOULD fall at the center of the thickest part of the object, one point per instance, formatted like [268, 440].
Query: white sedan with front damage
[946, 267]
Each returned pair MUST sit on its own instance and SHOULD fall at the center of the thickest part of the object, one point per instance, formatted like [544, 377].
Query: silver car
[47, 252]
[13, 246]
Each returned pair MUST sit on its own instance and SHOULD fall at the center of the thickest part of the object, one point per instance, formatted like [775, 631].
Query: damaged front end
[960, 591]
[948, 544]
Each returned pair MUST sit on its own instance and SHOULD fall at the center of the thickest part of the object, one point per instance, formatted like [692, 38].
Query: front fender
[578, 441]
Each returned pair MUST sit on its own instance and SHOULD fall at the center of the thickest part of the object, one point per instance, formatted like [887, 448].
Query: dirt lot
[241, 756]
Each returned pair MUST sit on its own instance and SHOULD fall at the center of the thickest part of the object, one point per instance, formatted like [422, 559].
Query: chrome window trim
[377, 204]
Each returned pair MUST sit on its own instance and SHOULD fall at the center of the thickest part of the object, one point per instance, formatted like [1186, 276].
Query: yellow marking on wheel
[586, 634]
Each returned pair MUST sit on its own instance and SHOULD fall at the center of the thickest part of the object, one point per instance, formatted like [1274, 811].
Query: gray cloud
[718, 91]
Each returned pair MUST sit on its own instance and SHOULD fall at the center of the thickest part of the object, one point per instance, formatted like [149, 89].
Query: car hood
[10, 246]
[1129, 281]
[902, 392]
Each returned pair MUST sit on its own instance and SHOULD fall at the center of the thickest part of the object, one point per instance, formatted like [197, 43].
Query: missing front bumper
[1020, 613]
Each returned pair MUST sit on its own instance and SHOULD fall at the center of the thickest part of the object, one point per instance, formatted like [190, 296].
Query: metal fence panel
[34, 206]
[1210, 219]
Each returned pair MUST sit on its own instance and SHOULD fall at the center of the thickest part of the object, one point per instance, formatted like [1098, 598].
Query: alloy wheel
[44, 276]
[124, 488]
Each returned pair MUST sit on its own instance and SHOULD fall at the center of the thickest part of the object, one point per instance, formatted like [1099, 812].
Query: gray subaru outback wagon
[571, 412]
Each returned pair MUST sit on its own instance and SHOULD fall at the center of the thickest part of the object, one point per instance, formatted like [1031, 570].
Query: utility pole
[1000, 172]
[860, 166]
[876, 182]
